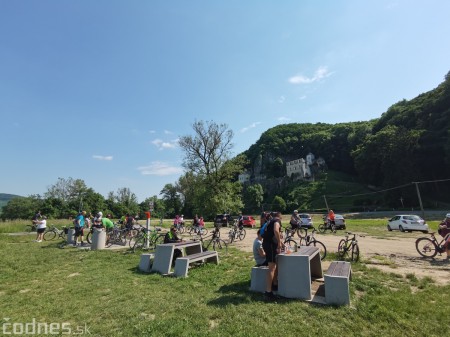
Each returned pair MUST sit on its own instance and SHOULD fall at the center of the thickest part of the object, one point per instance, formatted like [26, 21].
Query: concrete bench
[337, 280]
[182, 263]
[146, 262]
[259, 279]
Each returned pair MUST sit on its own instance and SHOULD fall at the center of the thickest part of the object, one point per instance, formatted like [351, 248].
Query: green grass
[105, 291]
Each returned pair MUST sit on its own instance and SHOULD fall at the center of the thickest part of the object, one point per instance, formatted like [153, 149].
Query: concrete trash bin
[71, 236]
[98, 239]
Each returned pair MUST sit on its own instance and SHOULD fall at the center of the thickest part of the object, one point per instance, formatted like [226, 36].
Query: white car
[407, 223]
[306, 220]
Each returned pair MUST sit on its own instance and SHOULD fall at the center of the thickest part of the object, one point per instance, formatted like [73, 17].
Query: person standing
[272, 246]
[79, 228]
[41, 226]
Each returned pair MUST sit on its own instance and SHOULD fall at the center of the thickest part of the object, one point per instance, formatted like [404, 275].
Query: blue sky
[101, 90]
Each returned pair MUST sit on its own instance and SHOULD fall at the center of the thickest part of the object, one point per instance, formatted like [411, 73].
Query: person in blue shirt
[79, 228]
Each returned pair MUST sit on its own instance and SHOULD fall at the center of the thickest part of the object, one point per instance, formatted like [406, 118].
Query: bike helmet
[99, 214]
[447, 215]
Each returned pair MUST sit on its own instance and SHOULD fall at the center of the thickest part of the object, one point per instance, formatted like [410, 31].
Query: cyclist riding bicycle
[295, 220]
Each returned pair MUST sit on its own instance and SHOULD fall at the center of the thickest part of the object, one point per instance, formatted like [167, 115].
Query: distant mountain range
[4, 198]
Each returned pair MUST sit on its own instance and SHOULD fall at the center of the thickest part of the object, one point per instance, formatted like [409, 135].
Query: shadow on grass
[239, 293]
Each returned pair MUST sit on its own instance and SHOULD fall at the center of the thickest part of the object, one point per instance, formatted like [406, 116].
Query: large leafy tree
[172, 200]
[208, 158]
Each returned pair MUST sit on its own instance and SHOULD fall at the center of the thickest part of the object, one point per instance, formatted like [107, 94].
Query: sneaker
[39, 241]
[269, 296]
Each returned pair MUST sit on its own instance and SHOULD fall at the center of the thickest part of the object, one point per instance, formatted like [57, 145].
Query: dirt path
[390, 254]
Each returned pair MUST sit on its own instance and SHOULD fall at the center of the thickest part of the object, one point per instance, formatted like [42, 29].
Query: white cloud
[321, 72]
[302, 97]
[102, 157]
[283, 119]
[167, 132]
[281, 99]
[251, 126]
[151, 131]
[161, 145]
[158, 168]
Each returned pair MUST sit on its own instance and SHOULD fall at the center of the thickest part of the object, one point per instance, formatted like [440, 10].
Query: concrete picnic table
[164, 254]
[296, 270]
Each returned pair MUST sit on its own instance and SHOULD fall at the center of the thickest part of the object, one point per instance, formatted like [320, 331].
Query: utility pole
[326, 203]
[420, 199]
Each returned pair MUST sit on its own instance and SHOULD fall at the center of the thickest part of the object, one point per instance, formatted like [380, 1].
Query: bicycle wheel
[342, 249]
[333, 228]
[159, 239]
[291, 244]
[220, 246]
[139, 244]
[189, 229]
[231, 236]
[242, 233]
[109, 240]
[355, 252]
[50, 235]
[322, 228]
[301, 232]
[321, 246]
[203, 231]
[426, 247]
[89, 237]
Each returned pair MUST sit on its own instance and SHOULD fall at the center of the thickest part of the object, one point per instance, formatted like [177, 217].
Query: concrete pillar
[98, 239]
[71, 236]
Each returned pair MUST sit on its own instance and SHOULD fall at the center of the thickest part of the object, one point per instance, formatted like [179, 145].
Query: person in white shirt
[41, 226]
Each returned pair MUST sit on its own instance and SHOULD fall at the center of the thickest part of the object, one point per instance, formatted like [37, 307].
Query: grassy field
[104, 291]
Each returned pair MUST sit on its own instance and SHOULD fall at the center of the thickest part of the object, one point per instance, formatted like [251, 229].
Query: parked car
[306, 220]
[223, 220]
[339, 221]
[407, 223]
[248, 220]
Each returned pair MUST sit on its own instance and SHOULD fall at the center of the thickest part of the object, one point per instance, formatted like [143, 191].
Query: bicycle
[218, 244]
[310, 240]
[52, 232]
[180, 227]
[328, 225]
[197, 230]
[348, 247]
[153, 237]
[299, 230]
[236, 232]
[31, 228]
[115, 236]
[289, 241]
[430, 247]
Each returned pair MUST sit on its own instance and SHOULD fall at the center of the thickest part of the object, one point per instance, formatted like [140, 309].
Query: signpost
[148, 223]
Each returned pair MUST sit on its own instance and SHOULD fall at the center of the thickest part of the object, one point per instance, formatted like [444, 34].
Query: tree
[253, 197]
[172, 201]
[207, 158]
[278, 204]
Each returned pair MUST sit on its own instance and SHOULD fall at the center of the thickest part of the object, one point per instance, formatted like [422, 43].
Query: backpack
[262, 230]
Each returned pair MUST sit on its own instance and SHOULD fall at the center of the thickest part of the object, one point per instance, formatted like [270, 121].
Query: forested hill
[409, 142]
[4, 198]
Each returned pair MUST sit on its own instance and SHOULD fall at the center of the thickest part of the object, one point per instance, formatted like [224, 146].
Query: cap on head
[448, 215]
[295, 211]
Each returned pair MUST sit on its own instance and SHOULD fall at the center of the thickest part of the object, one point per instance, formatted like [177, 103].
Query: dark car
[223, 220]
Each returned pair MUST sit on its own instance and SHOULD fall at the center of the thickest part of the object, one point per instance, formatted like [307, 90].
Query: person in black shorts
[272, 247]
